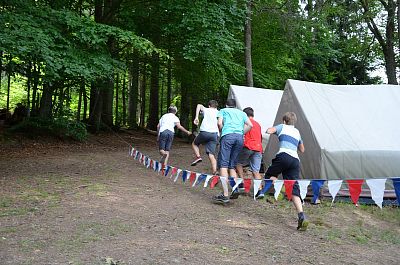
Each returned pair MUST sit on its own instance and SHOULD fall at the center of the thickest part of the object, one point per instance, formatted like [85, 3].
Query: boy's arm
[180, 127]
[220, 123]
[301, 148]
[158, 131]
[198, 109]
[271, 130]
[247, 126]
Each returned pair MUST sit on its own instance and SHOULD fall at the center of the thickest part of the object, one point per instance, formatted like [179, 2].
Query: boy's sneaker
[220, 199]
[241, 188]
[234, 195]
[302, 224]
[259, 195]
[197, 160]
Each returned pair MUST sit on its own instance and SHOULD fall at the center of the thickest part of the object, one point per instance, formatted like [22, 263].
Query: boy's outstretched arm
[271, 130]
[198, 109]
[301, 148]
[180, 127]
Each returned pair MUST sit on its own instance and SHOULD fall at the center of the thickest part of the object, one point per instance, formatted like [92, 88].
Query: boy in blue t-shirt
[287, 162]
[233, 124]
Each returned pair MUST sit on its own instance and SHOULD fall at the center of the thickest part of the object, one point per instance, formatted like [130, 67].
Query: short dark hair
[231, 103]
[213, 103]
[289, 118]
[172, 109]
[249, 111]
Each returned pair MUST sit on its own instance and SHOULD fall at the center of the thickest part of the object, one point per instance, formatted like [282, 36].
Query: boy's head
[289, 118]
[231, 103]
[213, 104]
[172, 109]
[249, 111]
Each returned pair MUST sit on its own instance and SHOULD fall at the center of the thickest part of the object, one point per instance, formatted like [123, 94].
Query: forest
[96, 64]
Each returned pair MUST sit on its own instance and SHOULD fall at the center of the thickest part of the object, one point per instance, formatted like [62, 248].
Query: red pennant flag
[214, 181]
[173, 171]
[355, 188]
[192, 177]
[151, 163]
[247, 185]
[162, 169]
[289, 187]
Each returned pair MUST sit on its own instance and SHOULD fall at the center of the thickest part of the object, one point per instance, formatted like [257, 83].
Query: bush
[60, 127]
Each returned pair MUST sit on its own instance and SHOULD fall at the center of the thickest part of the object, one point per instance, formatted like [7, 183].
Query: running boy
[165, 132]
[286, 161]
[233, 123]
[208, 133]
[252, 150]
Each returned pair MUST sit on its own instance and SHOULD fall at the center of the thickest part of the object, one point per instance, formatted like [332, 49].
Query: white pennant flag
[144, 160]
[177, 174]
[334, 187]
[237, 183]
[377, 187]
[207, 180]
[256, 186]
[303, 185]
[224, 183]
[132, 150]
[195, 181]
[277, 186]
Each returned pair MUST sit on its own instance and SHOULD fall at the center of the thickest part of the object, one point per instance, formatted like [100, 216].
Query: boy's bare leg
[213, 162]
[239, 170]
[232, 173]
[297, 203]
[196, 150]
[223, 172]
[165, 156]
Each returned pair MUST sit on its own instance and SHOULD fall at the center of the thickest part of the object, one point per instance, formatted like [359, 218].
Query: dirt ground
[74, 203]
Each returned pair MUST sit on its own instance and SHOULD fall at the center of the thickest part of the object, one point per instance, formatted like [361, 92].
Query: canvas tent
[265, 103]
[348, 131]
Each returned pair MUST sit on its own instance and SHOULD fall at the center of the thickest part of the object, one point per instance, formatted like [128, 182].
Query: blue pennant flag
[156, 167]
[396, 184]
[137, 155]
[167, 170]
[201, 178]
[184, 175]
[316, 185]
[231, 181]
[267, 185]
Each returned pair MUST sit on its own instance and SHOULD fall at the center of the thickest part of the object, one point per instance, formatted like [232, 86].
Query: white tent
[265, 103]
[348, 131]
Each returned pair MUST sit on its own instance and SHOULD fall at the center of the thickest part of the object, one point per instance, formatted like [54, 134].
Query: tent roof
[351, 118]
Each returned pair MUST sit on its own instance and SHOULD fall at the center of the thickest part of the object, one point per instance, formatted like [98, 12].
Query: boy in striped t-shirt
[286, 161]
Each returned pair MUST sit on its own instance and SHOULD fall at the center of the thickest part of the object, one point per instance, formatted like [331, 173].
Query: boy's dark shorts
[208, 139]
[230, 147]
[288, 166]
[165, 140]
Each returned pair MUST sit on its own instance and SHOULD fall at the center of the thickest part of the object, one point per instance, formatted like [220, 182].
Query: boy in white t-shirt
[166, 130]
[208, 135]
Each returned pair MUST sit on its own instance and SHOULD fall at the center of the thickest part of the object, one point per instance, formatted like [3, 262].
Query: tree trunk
[96, 104]
[154, 93]
[1, 67]
[124, 100]
[28, 84]
[117, 122]
[46, 102]
[85, 101]
[185, 107]
[133, 91]
[8, 83]
[78, 113]
[143, 96]
[169, 82]
[247, 51]
[35, 99]
[108, 99]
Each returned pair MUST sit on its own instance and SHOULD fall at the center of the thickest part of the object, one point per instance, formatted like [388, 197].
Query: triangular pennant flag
[224, 183]
[156, 166]
[173, 171]
[303, 185]
[396, 185]
[151, 164]
[140, 157]
[167, 170]
[192, 177]
[130, 151]
[136, 154]
[289, 183]
[377, 188]
[277, 186]
[196, 179]
[236, 184]
[355, 188]
[214, 181]
[184, 175]
[207, 180]
[334, 187]
[201, 178]
[177, 174]
[247, 185]
[267, 185]
[160, 167]
[316, 185]
[256, 186]
[144, 159]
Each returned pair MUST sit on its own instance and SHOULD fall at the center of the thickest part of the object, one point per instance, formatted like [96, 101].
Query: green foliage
[61, 127]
